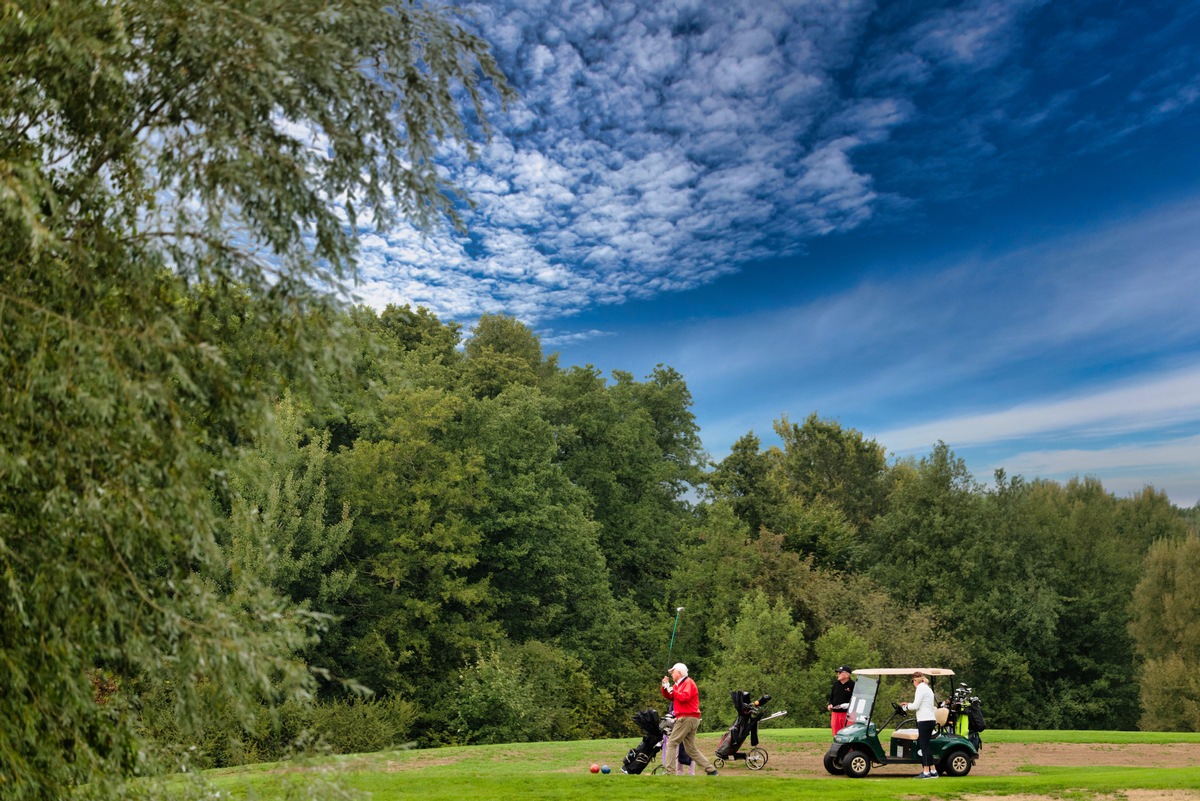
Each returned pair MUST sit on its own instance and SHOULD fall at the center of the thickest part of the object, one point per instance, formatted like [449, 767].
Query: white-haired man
[685, 697]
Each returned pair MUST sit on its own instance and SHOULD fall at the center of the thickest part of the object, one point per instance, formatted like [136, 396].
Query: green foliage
[822, 460]
[762, 651]
[819, 490]
[934, 513]
[526, 693]
[634, 460]
[1165, 610]
[413, 494]
[277, 526]
[546, 572]
[742, 480]
[160, 196]
[502, 353]
[838, 645]
[358, 725]
[834, 611]
[293, 728]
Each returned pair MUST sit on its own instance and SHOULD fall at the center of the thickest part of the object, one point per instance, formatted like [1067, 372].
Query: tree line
[490, 534]
[240, 520]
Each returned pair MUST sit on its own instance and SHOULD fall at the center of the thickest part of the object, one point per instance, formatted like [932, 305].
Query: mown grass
[559, 772]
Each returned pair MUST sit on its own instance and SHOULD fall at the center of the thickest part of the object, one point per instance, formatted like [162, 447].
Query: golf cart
[856, 747]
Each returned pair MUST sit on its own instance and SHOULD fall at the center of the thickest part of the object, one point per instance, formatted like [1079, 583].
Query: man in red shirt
[686, 700]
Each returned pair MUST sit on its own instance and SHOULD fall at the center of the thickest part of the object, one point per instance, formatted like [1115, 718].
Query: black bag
[975, 719]
[746, 723]
[640, 755]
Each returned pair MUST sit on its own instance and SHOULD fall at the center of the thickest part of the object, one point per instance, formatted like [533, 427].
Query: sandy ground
[996, 759]
[805, 760]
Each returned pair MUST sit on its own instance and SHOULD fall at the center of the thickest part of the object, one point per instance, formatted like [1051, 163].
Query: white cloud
[655, 147]
[1170, 466]
[659, 145]
[1150, 402]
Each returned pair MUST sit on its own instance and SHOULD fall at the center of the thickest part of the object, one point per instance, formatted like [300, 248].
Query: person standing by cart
[839, 698]
[922, 708]
[685, 699]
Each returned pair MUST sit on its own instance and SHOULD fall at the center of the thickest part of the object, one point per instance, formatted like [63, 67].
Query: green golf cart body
[856, 747]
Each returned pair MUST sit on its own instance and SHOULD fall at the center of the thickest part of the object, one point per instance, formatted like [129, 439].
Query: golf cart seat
[940, 716]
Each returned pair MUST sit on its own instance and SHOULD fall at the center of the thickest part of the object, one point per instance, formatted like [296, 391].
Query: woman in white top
[922, 707]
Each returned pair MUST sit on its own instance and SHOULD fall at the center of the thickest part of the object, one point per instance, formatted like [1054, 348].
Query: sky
[972, 222]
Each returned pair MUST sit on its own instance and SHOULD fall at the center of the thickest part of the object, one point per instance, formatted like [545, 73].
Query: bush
[221, 740]
[526, 693]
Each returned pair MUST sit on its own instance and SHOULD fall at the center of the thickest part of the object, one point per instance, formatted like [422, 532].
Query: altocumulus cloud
[656, 146]
[661, 144]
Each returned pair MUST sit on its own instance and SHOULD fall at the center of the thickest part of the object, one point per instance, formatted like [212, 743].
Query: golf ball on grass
[594, 768]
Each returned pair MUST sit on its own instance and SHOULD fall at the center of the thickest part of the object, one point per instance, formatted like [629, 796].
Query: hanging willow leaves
[168, 178]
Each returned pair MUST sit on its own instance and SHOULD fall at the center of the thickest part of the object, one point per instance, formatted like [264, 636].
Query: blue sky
[976, 222]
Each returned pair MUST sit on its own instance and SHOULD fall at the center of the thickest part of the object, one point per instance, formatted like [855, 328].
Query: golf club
[678, 609]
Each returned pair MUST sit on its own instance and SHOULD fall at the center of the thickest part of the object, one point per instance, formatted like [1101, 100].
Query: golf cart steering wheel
[896, 706]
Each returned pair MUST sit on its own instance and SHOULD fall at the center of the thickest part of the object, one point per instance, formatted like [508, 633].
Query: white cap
[682, 668]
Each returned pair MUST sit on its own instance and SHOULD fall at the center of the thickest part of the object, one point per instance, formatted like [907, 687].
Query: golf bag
[965, 706]
[641, 754]
[748, 713]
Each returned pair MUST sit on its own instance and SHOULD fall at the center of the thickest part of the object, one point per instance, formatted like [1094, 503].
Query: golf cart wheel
[659, 770]
[756, 758]
[856, 764]
[833, 766]
[718, 763]
[956, 763]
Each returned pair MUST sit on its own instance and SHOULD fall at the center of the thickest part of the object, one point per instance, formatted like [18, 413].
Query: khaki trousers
[684, 733]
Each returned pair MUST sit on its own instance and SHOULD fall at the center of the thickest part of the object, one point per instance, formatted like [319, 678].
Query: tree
[742, 479]
[823, 460]
[762, 651]
[156, 156]
[820, 490]
[540, 551]
[503, 352]
[278, 525]
[1163, 623]
[525, 693]
[414, 493]
[631, 446]
[917, 548]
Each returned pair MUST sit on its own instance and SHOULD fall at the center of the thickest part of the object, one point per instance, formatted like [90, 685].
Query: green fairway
[560, 771]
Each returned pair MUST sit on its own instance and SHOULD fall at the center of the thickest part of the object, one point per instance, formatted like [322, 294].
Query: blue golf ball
[604, 769]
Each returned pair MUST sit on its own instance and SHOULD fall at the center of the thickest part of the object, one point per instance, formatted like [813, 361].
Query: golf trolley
[652, 730]
[749, 715]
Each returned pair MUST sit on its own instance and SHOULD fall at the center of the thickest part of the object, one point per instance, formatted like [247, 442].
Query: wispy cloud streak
[1149, 403]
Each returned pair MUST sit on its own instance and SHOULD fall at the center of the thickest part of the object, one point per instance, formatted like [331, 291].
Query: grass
[559, 771]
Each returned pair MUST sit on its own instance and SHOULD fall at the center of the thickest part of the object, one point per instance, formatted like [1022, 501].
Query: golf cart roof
[903, 671]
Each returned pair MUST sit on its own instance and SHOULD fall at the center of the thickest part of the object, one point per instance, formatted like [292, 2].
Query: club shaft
[671, 649]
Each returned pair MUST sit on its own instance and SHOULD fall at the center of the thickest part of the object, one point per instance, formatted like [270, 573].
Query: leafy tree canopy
[154, 155]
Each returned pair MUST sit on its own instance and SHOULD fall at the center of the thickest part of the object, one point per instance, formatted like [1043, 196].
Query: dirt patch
[394, 766]
[1001, 759]
[1128, 795]
[998, 759]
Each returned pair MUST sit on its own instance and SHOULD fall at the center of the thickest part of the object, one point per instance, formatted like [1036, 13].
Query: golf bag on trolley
[749, 715]
[967, 715]
[641, 754]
